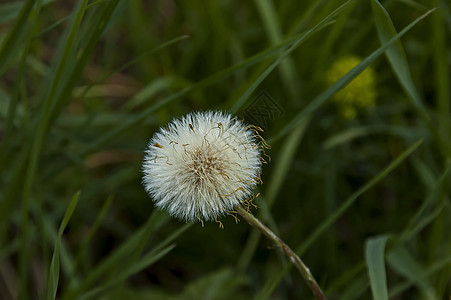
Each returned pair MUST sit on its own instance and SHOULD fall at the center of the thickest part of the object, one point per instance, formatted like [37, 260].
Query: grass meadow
[354, 99]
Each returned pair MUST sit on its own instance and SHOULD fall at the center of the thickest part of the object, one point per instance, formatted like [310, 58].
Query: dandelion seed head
[202, 166]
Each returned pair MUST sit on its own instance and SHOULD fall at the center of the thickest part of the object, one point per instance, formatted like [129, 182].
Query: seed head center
[205, 162]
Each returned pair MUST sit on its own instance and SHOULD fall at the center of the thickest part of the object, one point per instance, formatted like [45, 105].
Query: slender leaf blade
[316, 103]
[403, 263]
[326, 224]
[53, 278]
[375, 261]
[395, 53]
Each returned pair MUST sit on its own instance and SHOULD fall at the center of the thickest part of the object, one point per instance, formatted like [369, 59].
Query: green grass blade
[242, 100]
[248, 250]
[35, 152]
[347, 204]
[77, 102]
[442, 70]
[133, 121]
[98, 221]
[354, 133]
[62, 20]
[420, 219]
[120, 255]
[396, 55]
[74, 63]
[326, 224]
[10, 191]
[15, 111]
[138, 98]
[85, 244]
[9, 46]
[398, 62]
[339, 283]
[374, 256]
[439, 264]
[401, 261]
[274, 31]
[66, 73]
[270, 21]
[327, 47]
[245, 96]
[425, 173]
[355, 289]
[9, 11]
[53, 278]
[148, 92]
[148, 260]
[307, 15]
[19, 92]
[47, 229]
[343, 81]
[422, 223]
[283, 165]
[145, 261]
[446, 10]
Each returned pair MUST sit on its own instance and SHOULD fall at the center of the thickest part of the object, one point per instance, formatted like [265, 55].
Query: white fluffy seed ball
[202, 166]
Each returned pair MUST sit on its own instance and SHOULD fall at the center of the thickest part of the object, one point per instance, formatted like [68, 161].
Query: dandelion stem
[302, 268]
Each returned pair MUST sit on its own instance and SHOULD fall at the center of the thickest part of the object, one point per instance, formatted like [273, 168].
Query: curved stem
[302, 268]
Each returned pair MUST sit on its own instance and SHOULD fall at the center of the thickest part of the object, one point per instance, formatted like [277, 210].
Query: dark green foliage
[364, 202]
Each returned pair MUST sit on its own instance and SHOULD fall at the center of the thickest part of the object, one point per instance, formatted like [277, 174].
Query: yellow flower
[359, 93]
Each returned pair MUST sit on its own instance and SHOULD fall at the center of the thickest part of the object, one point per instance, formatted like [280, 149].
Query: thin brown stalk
[302, 268]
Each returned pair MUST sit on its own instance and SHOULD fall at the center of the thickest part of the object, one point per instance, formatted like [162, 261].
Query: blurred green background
[358, 181]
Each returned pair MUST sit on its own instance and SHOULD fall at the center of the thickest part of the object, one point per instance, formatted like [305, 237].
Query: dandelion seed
[202, 166]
